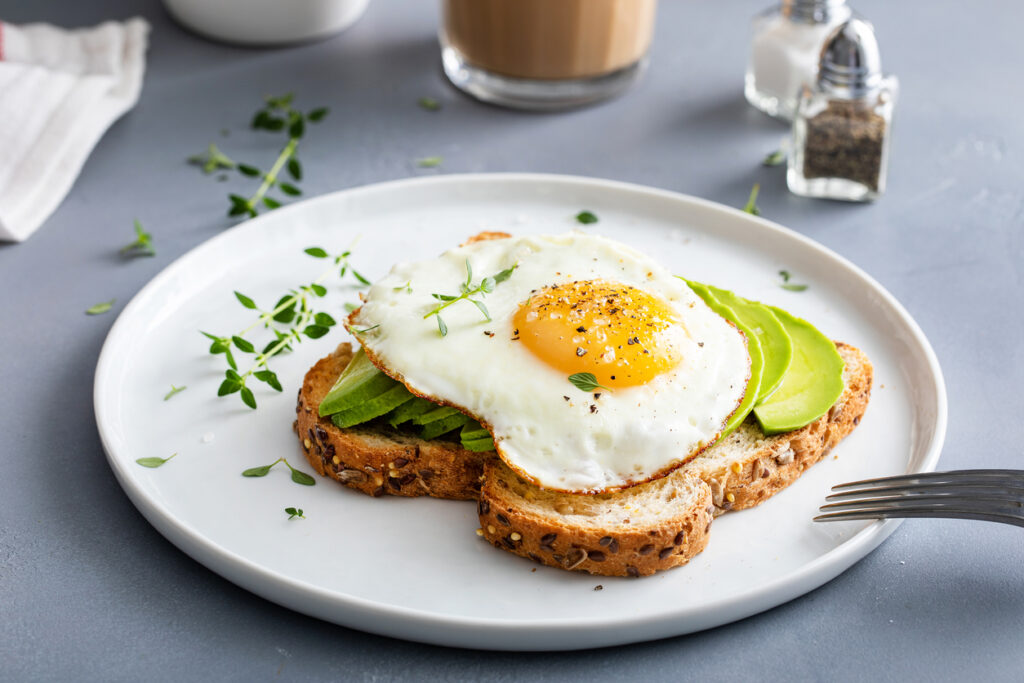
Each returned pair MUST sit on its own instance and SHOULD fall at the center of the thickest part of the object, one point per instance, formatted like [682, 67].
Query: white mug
[266, 22]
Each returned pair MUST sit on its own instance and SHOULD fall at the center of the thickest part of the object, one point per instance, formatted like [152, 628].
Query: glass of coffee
[545, 54]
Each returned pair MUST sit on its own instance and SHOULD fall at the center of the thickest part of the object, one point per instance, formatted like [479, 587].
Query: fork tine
[1009, 505]
[1006, 477]
[935, 488]
[918, 513]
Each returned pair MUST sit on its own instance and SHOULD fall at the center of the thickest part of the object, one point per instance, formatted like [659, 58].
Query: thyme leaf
[101, 308]
[776, 158]
[586, 381]
[429, 103]
[154, 462]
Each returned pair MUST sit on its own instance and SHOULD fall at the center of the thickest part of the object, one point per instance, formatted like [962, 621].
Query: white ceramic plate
[414, 568]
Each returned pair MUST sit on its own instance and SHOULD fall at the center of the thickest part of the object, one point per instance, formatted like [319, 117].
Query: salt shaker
[840, 146]
[784, 51]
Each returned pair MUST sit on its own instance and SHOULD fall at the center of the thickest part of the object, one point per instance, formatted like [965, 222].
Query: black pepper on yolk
[621, 334]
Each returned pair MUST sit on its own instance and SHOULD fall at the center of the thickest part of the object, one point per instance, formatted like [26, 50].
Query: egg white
[544, 427]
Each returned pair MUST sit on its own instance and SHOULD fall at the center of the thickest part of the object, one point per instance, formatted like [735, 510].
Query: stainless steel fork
[990, 495]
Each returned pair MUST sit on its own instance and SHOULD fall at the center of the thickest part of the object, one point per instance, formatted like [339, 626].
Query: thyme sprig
[174, 390]
[751, 206]
[212, 160]
[790, 286]
[290, 320]
[483, 288]
[143, 244]
[294, 513]
[298, 476]
[276, 115]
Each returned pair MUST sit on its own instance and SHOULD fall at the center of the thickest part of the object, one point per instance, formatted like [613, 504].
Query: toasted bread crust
[624, 550]
[780, 460]
[374, 461]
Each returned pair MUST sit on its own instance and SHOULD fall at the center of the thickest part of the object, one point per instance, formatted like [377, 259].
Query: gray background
[88, 590]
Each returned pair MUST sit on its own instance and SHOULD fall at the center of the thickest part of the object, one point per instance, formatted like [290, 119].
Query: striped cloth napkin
[59, 92]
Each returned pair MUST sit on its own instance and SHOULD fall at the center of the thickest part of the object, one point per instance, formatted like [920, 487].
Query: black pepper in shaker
[843, 123]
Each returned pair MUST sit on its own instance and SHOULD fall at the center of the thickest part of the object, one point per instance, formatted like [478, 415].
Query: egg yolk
[621, 334]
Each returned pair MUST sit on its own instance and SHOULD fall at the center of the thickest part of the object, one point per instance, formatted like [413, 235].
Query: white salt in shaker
[784, 52]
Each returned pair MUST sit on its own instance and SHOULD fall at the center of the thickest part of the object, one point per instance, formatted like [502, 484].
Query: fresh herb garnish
[486, 286]
[751, 206]
[429, 103]
[298, 476]
[407, 287]
[586, 217]
[153, 462]
[174, 390]
[429, 162]
[289, 320]
[776, 158]
[364, 330]
[294, 512]
[790, 286]
[586, 381]
[212, 160]
[143, 244]
[99, 309]
[276, 115]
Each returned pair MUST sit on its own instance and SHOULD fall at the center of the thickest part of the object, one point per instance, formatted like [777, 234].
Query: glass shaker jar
[784, 51]
[841, 133]
[545, 54]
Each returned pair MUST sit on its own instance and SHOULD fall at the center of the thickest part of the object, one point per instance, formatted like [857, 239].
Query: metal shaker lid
[850, 65]
[814, 11]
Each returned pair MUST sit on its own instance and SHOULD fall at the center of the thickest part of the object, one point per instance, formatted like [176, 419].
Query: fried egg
[655, 372]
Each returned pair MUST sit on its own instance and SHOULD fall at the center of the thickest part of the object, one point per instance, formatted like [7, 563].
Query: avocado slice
[374, 407]
[776, 346]
[810, 386]
[435, 414]
[475, 438]
[358, 383]
[479, 445]
[753, 349]
[436, 428]
[409, 410]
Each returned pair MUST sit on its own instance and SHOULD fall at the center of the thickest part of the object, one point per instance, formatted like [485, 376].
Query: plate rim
[485, 632]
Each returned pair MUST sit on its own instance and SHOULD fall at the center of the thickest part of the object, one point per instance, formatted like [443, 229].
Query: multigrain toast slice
[377, 460]
[634, 532]
[604, 534]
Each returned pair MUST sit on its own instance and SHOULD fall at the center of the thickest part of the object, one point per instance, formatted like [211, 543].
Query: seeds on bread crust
[582, 545]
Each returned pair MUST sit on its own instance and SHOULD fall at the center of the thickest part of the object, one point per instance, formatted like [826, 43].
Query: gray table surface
[89, 591]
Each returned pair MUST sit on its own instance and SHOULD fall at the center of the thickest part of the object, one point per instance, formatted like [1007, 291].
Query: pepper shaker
[784, 51]
[840, 145]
